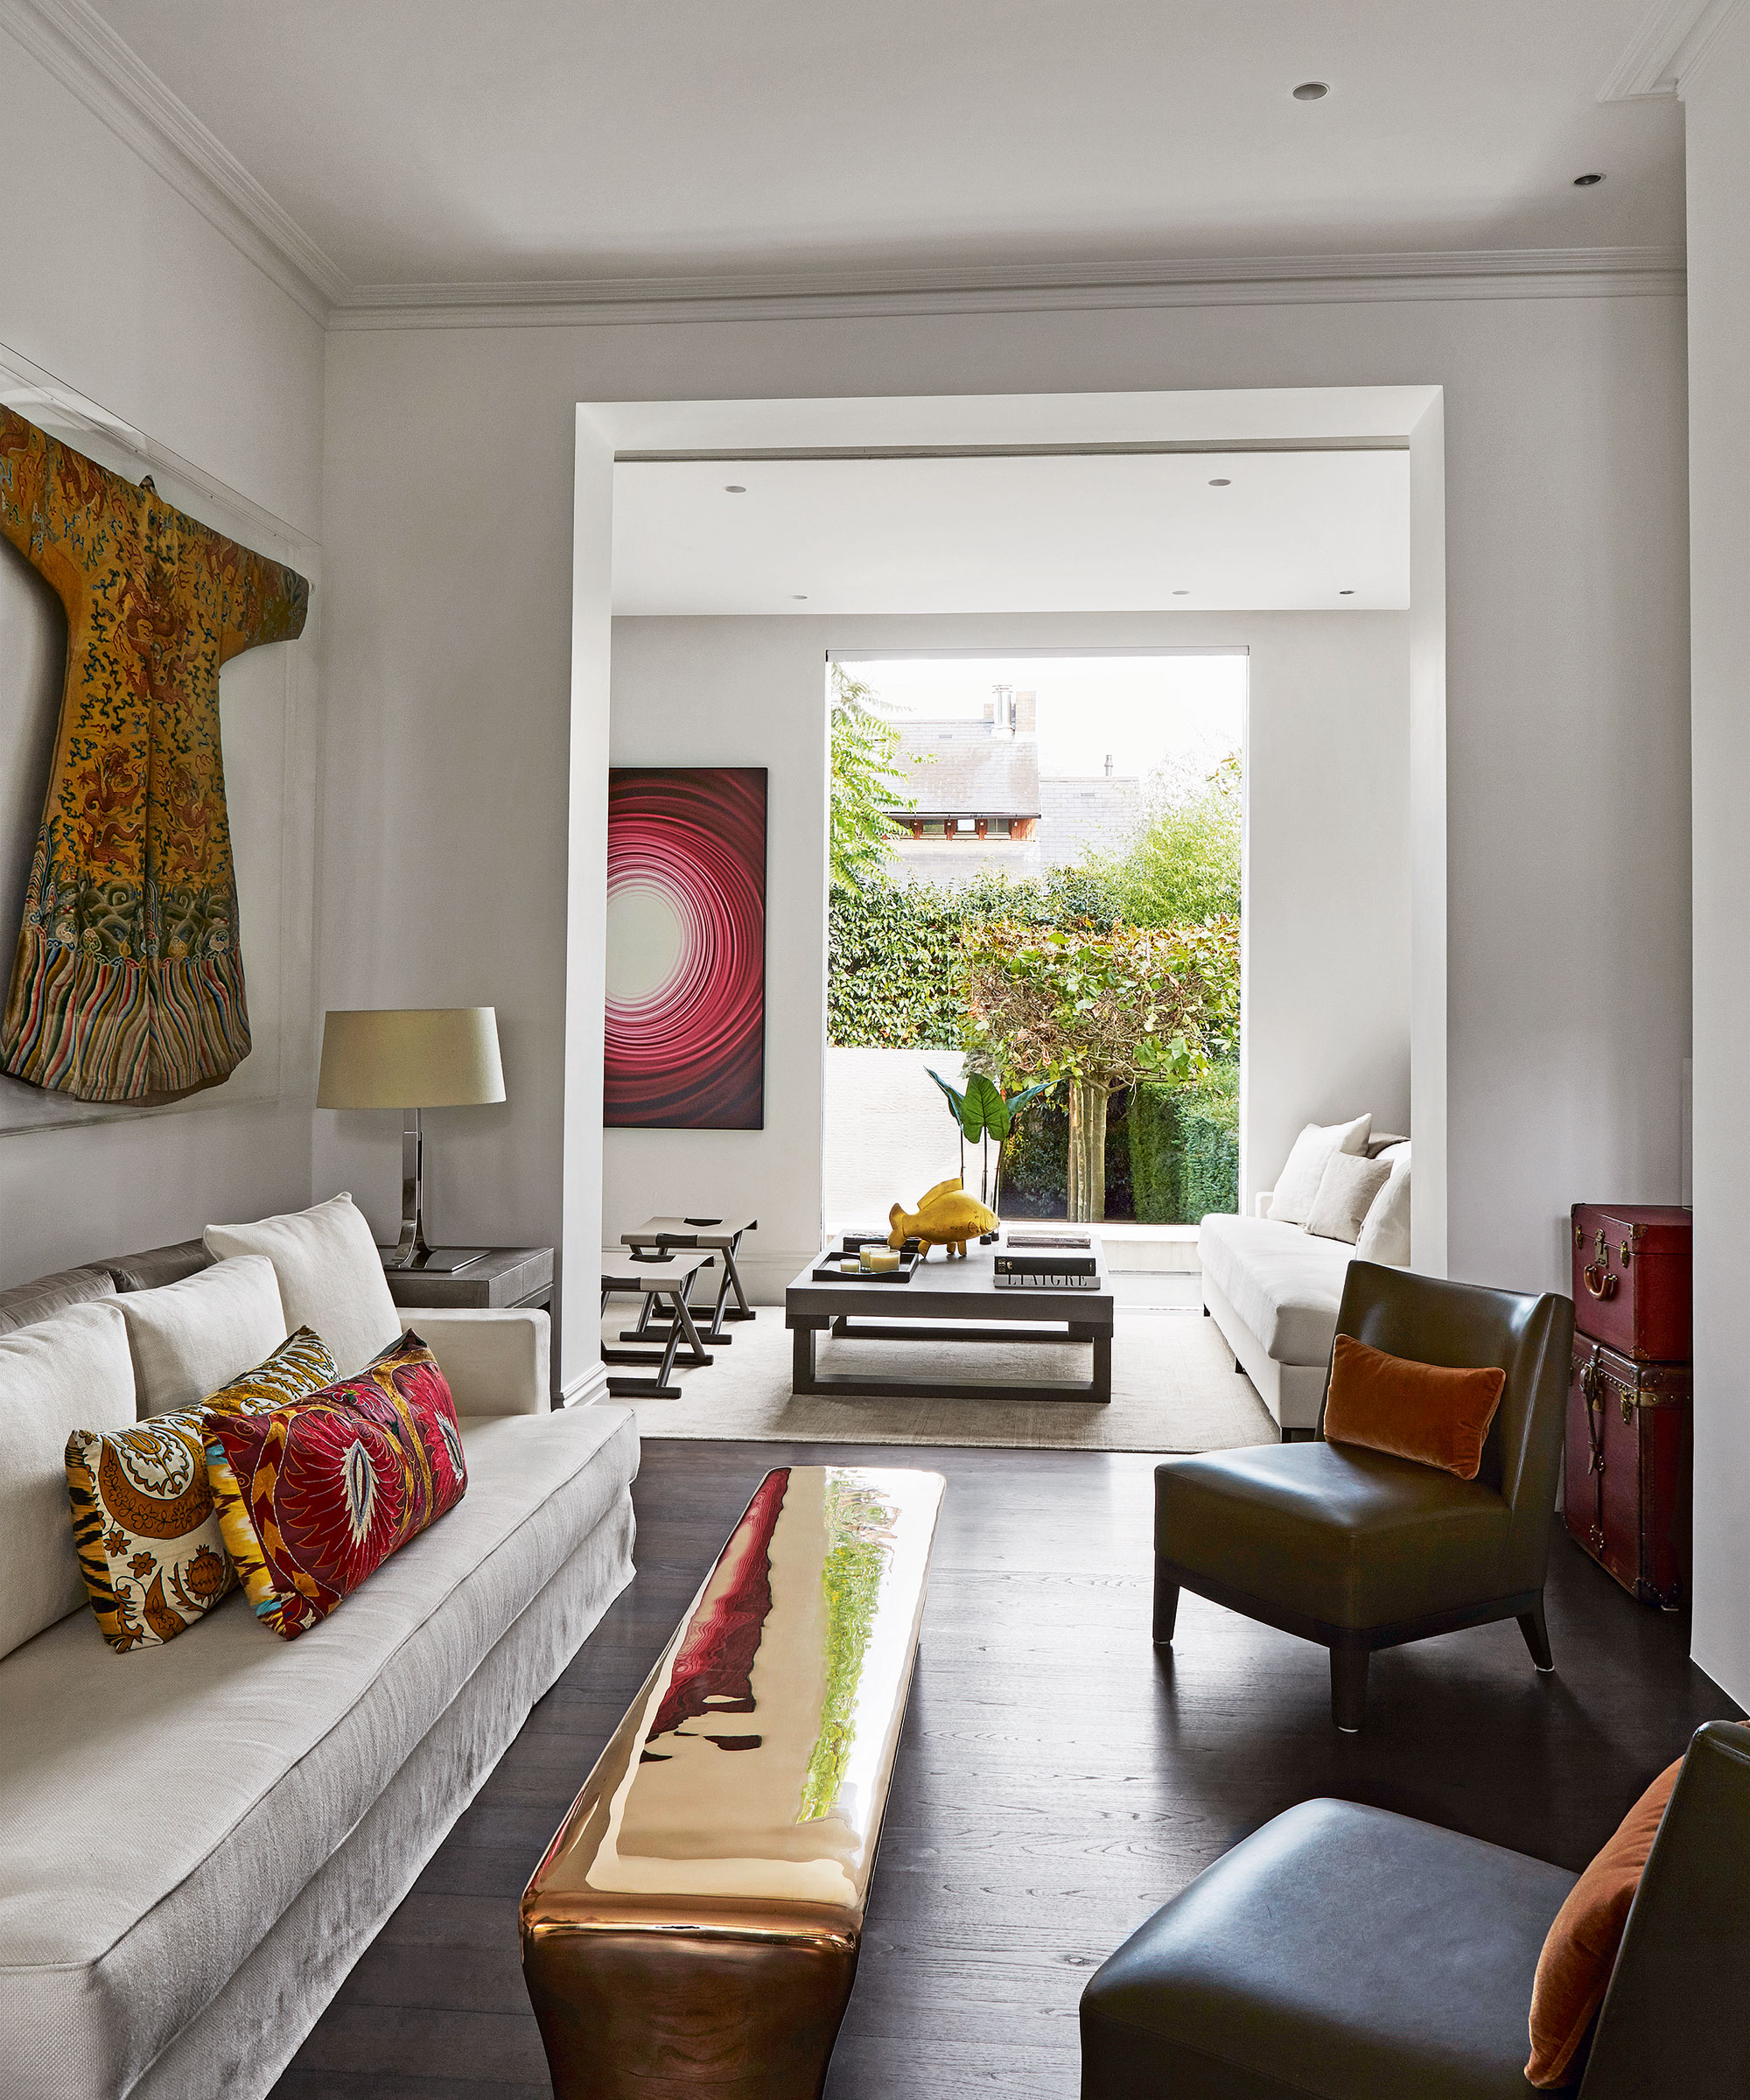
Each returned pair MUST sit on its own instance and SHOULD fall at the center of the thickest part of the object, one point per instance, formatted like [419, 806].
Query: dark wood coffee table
[948, 1301]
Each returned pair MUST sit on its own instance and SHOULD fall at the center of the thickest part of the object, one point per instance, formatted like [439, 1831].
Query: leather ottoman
[1340, 1952]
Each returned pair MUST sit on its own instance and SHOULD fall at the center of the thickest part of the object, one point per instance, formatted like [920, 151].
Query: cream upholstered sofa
[202, 1837]
[1273, 1288]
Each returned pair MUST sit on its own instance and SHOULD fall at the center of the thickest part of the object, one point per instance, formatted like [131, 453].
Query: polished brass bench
[694, 1927]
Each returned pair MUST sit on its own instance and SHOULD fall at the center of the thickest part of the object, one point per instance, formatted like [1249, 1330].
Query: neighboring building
[981, 805]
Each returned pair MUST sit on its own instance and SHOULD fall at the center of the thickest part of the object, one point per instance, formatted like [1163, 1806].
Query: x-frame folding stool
[678, 1268]
[656, 1237]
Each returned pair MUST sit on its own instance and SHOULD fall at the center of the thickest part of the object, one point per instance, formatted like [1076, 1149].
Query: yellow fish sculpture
[947, 1217]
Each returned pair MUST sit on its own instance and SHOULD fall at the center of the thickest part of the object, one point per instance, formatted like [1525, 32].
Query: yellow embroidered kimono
[128, 981]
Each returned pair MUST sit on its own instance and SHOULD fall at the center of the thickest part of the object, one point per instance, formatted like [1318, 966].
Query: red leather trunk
[1632, 1278]
[1627, 1473]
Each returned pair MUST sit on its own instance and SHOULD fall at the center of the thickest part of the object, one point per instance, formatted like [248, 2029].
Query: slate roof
[971, 773]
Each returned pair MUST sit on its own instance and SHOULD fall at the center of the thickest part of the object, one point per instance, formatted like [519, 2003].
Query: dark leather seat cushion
[1339, 1951]
[1349, 1537]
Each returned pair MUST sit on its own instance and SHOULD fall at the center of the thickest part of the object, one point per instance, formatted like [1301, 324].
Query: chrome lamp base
[410, 1252]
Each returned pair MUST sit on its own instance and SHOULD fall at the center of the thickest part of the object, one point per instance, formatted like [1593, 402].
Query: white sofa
[202, 1837]
[1273, 1291]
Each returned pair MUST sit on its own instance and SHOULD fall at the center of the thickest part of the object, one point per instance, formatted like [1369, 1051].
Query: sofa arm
[1261, 1202]
[497, 1362]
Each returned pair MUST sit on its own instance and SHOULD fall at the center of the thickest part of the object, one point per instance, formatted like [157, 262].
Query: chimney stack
[1108, 765]
[1026, 714]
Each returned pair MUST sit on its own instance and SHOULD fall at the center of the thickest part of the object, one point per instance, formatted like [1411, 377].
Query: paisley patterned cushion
[150, 1546]
[314, 1497]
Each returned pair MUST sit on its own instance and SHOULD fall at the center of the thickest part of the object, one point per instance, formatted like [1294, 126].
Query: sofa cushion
[71, 1372]
[1284, 1283]
[152, 1266]
[190, 1338]
[1384, 1235]
[331, 1276]
[1337, 1951]
[45, 1296]
[153, 1840]
[1298, 1183]
[1347, 1189]
[314, 1497]
[147, 1534]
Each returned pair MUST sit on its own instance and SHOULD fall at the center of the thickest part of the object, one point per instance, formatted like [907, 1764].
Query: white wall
[1718, 101]
[1327, 919]
[1566, 728]
[126, 295]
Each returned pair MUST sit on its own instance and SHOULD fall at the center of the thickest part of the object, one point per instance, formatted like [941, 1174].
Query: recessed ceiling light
[1346, 594]
[801, 597]
[1586, 182]
[1223, 483]
[1311, 91]
[733, 488]
[1182, 594]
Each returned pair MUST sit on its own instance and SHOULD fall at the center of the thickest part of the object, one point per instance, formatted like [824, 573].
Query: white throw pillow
[189, 1339]
[331, 1276]
[71, 1372]
[1346, 1188]
[1298, 1183]
[1384, 1235]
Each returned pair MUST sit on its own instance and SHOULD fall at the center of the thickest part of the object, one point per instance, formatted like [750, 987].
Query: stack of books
[1047, 1261]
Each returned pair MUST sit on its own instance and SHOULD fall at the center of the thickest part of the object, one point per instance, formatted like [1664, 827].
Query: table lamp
[412, 1057]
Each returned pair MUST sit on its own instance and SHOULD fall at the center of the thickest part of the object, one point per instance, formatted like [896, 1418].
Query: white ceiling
[1294, 530]
[457, 141]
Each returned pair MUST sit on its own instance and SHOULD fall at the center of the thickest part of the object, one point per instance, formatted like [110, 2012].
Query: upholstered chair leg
[1349, 1687]
[1165, 1608]
[1537, 1635]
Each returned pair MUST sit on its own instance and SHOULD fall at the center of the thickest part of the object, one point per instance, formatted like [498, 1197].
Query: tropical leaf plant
[985, 1114]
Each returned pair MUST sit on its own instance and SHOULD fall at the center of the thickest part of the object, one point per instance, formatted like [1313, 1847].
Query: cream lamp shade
[411, 1057]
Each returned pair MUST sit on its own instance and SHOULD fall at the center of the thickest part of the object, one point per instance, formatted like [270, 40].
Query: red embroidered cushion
[314, 1497]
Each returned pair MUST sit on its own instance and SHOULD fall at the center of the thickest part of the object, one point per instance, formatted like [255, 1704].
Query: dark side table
[504, 1275]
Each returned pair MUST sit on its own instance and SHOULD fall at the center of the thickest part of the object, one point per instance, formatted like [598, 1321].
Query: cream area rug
[1173, 1389]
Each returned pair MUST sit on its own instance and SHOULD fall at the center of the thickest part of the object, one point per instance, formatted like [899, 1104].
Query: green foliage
[894, 949]
[864, 782]
[890, 974]
[1185, 1148]
[1100, 1009]
[1183, 864]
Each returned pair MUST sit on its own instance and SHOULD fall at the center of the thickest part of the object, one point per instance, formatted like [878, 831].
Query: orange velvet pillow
[1580, 1951]
[1413, 1411]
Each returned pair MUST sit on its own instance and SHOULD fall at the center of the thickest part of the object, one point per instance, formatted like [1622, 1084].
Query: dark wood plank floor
[1057, 1781]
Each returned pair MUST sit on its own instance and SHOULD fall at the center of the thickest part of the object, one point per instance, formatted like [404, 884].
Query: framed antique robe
[127, 981]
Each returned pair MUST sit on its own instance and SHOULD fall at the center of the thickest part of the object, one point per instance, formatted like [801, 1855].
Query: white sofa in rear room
[1272, 1286]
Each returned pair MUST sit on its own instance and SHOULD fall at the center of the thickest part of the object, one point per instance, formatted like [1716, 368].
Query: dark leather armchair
[1344, 1952]
[1357, 1550]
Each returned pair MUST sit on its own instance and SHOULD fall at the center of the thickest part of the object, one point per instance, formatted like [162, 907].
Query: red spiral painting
[686, 948]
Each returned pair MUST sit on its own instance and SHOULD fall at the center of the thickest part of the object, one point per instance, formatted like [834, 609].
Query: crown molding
[78, 47]
[1261, 281]
[1672, 42]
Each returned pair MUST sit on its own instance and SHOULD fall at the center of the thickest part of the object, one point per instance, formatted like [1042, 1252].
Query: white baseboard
[589, 1386]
